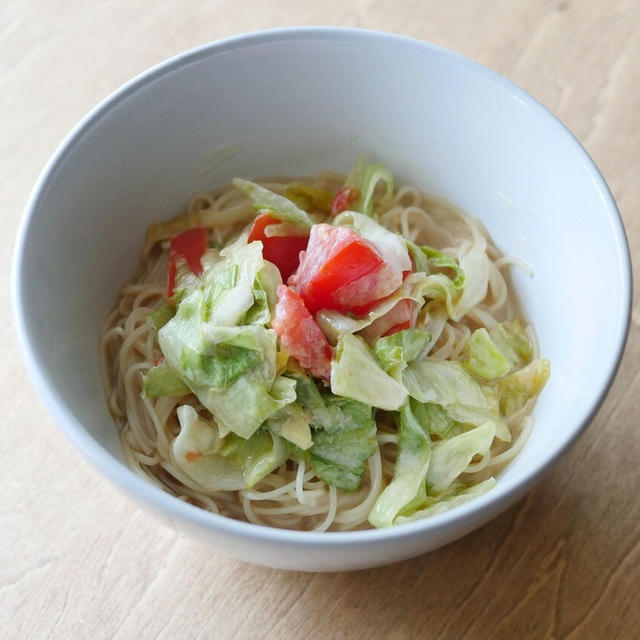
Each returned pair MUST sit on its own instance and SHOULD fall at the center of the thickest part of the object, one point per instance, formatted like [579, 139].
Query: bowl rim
[141, 489]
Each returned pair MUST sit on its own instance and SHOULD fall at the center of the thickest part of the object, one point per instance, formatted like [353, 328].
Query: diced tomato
[190, 246]
[343, 199]
[283, 251]
[335, 257]
[300, 334]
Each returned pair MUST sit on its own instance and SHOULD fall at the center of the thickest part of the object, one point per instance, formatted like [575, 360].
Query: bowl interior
[293, 104]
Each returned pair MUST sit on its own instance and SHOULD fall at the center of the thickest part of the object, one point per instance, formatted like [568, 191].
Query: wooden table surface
[78, 561]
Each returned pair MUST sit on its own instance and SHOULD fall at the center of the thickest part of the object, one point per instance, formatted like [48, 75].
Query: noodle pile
[291, 497]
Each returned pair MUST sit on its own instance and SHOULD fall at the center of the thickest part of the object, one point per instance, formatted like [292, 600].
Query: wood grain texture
[78, 561]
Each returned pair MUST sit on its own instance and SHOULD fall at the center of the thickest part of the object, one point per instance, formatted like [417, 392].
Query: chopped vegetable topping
[257, 354]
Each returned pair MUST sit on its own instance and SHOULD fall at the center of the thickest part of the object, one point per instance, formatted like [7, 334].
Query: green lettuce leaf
[223, 465]
[447, 383]
[365, 177]
[356, 374]
[244, 405]
[412, 464]
[518, 387]
[494, 353]
[229, 284]
[476, 267]
[394, 352]
[425, 256]
[232, 370]
[292, 423]
[161, 316]
[161, 381]
[282, 207]
[434, 505]
[450, 457]
[343, 434]
[485, 360]
[512, 341]
[440, 424]
[343, 445]
[264, 295]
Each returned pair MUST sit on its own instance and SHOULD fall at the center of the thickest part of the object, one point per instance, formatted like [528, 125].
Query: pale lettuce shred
[283, 208]
[412, 464]
[365, 177]
[396, 351]
[425, 470]
[485, 360]
[447, 383]
[454, 498]
[231, 369]
[227, 464]
[376, 389]
[517, 388]
[344, 435]
[476, 267]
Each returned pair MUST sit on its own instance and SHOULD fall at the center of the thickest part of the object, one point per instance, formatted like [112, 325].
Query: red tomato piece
[189, 246]
[335, 257]
[343, 199]
[283, 251]
[300, 334]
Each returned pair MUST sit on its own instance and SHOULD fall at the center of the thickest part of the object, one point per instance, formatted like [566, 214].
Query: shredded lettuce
[343, 445]
[476, 267]
[448, 384]
[434, 505]
[232, 370]
[264, 295]
[394, 352]
[520, 386]
[344, 433]
[158, 318]
[440, 424]
[494, 353]
[243, 406]
[282, 207]
[424, 255]
[223, 465]
[229, 283]
[161, 381]
[309, 198]
[450, 457]
[365, 177]
[512, 341]
[485, 360]
[439, 287]
[292, 423]
[356, 374]
[412, 464]
[426, 470]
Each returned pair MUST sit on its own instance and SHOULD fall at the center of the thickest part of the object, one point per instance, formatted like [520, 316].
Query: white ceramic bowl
[294, 101]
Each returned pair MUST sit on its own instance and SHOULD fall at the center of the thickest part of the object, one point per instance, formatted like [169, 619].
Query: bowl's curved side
[448, 125]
